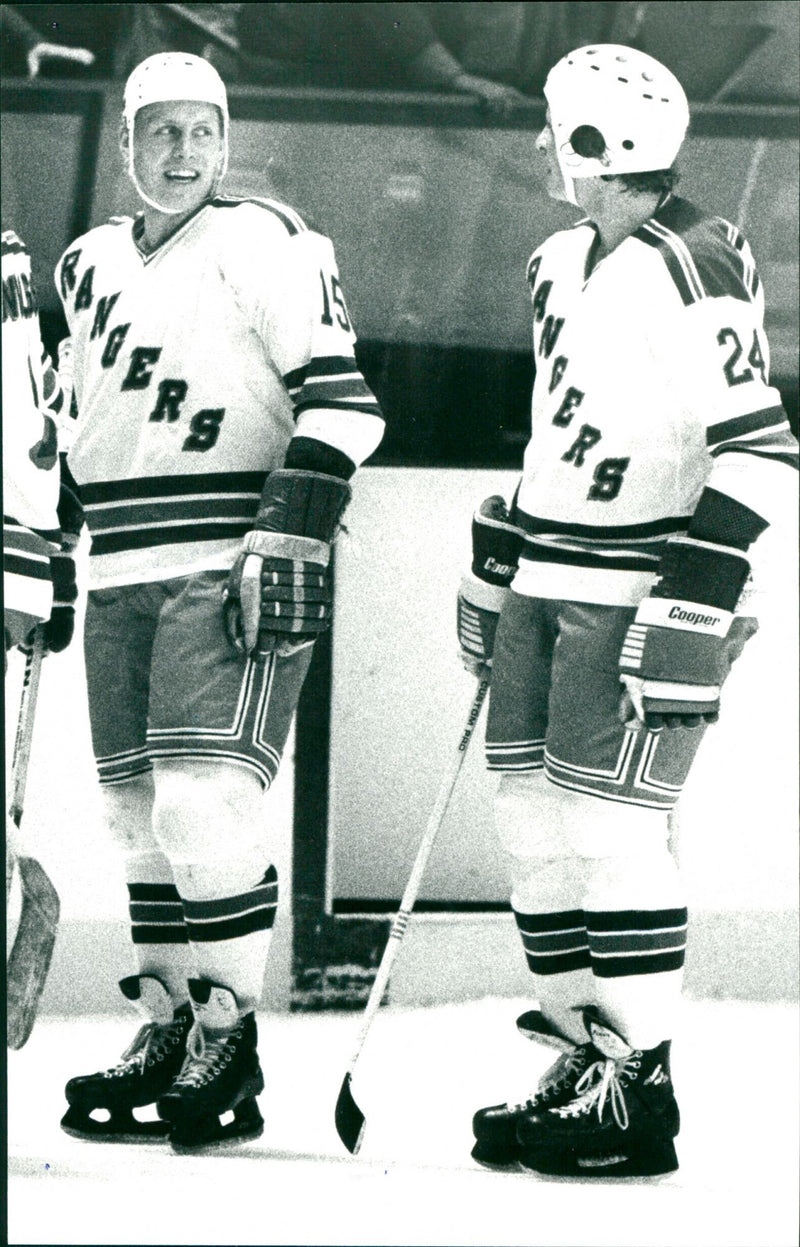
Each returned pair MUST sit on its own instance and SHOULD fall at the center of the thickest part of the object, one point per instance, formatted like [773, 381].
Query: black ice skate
[620, 1122]
[220, 1075]
[495, 1127]
[145, 1071]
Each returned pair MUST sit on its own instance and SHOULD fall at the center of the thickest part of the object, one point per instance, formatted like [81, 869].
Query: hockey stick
[32, 950]
[350, 1121]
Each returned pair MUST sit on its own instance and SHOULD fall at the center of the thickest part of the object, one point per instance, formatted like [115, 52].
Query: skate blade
[120, 1128]
[247, 1124]
[492, 1158]
[652, 1163]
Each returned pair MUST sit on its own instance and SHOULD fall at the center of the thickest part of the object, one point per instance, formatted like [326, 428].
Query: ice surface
[421, 1075]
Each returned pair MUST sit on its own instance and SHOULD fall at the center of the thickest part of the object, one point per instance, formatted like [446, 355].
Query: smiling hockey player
[221, 417]
[658, 454]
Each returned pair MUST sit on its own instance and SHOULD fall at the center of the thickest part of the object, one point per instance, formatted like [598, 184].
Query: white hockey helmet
[636, 103]
[173, 76]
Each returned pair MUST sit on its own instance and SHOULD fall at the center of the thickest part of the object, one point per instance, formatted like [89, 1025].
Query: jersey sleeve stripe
[770, 418]
[322, 366]
[782, 453]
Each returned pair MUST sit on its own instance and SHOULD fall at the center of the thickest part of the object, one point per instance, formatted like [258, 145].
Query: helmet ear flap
[587, 141]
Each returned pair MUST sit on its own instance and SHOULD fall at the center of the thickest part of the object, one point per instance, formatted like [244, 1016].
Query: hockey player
[221, 417]
[38, 567]
[657, 456]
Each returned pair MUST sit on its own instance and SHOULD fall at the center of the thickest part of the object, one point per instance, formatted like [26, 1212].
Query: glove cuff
[684, 615]
[303, 504]
[286, 546]
[695, 571]
[482, 595]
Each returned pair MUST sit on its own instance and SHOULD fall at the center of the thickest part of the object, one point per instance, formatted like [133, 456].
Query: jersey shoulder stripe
[291, 220]
[705, 256]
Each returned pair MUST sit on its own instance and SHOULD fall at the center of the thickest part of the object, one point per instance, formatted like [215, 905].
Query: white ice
[421, 1075]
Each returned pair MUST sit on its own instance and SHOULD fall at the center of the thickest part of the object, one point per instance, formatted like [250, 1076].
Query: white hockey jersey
[651, 384]
[31, 398]
[194, 367]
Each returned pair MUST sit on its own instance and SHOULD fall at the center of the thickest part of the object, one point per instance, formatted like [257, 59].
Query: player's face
[546, 147]
[178, 149]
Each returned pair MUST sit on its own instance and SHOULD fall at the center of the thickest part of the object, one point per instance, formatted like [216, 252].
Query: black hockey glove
[496, 546]
[60, 627]
[279, 593]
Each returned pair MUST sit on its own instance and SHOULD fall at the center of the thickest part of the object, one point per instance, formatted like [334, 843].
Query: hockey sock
[546, 903]
[158, 929]
[230, 925]
[636, 921]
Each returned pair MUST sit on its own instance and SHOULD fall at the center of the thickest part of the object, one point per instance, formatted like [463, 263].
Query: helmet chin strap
[152, 202]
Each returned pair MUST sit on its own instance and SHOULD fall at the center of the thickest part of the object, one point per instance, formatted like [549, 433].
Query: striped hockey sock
[230, 937]
[637, 960]
[159, 934]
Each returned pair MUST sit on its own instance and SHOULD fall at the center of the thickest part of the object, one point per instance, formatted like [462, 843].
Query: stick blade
[350, 1121]
[32, 950]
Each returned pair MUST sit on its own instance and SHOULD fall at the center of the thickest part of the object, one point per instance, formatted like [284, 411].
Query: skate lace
[205, 1056]
[151, 1043]
[603, 1082]
[554, 1079]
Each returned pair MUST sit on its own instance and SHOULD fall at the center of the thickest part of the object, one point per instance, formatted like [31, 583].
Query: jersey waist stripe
[771, 418]
[606, 586]
[23, 563]
[109, 517]
[144, 538]
[27, 532]
[577, 556]
[648, 530]
[173, 486]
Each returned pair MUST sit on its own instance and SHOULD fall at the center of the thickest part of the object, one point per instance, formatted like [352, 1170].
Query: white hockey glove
[496, 546]
[279, 593]
[674, 657]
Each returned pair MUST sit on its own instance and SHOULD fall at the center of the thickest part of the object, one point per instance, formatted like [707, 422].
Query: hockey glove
[675, 657]
[279, 593]
[496, 546]
[59, 628]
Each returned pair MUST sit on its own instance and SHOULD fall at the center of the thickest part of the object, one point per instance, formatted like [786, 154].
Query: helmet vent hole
[588, 142]
[596, 68]
[628, 144]
[622, 79]
[646, 96]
